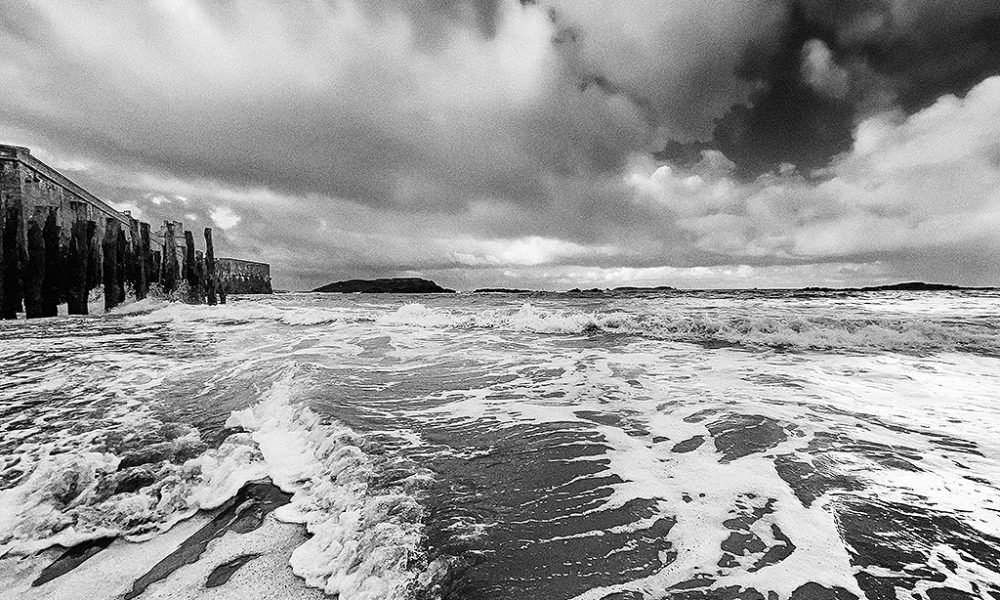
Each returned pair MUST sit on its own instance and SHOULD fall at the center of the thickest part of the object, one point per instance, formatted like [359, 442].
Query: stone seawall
[244, 276]
[59, 242]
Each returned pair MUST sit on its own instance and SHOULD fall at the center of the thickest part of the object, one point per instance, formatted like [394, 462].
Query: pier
[59, 242]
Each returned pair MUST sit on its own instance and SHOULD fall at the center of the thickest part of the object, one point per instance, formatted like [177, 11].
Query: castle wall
[243, 276]
[58, 242]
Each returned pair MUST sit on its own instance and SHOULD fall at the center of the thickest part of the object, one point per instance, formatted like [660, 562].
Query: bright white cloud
[224, 217]
[526, 251]
[909, 185]
[332, 139]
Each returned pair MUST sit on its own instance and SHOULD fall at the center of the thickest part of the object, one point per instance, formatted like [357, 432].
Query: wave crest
[364, 541]
[820, 332]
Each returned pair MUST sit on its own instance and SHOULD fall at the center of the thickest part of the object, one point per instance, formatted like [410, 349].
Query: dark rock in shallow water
[400, 285]
[223, 572]
[243, 513]
[71, 559]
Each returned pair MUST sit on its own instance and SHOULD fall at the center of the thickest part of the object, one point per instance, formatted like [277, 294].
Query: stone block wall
[58, 242]
[243, 276]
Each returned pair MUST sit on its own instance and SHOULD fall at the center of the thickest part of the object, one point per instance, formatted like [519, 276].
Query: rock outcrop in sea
[399, 285]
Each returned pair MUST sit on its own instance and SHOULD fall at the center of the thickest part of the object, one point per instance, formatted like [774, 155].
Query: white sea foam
[178, 312]
[826, 327]
[700, 491]
[71, 498]
[822, 332]
[363, 542]
[445, 364]
[146, 305]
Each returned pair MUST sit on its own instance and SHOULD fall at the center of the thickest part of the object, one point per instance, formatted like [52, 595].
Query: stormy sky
[546, 144]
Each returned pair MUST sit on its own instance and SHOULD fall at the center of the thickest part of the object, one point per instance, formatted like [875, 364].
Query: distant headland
[908, 286]
[398, 285]
[416, 285]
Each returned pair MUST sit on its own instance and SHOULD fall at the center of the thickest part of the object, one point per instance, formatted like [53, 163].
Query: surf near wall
[60, 243]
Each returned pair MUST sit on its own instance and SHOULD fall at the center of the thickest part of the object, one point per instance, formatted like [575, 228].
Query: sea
[698, 445]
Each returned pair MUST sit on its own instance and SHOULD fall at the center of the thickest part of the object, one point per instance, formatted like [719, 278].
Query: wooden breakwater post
[34, 274]
[110, 247]
[142, 285]
[129, 259]
[168, 270]
[157, 260]
[13, 252]
[191, 268]
[54, 283]
[211, 281]
[58, 242]
[93, 256]
[43, 276]
[121, 252]
[3, 226]
[199, 277]
[77, 262]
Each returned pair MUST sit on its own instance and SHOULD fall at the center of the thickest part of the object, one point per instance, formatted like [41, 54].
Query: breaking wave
[872, 333]
[66, 498]
[826, 330]
[158, 311]
[365, 543]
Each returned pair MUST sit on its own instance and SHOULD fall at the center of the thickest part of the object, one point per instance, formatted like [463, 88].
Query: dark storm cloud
[885, 53]
[674, 59]
[426, 105]
[497, 142]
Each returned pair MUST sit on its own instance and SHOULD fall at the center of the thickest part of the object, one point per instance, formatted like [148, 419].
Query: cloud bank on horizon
[546, 143]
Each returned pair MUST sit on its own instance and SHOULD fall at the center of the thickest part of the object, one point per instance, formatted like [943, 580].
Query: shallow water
[697, 445]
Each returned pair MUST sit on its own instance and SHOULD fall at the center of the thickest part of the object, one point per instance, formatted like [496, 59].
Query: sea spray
[566, 446]
[365, 544]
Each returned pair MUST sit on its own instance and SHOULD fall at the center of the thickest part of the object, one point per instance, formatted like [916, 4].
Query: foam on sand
[363, 542]
[717, 441]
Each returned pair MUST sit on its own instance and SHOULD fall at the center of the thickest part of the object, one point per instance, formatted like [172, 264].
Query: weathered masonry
[243, 276]
[58, 242]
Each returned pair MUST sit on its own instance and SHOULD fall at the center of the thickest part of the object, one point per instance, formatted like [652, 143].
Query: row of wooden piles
[203, 281]
[39, 270]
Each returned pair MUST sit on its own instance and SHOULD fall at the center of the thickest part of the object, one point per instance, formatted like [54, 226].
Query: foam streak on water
[695, 445]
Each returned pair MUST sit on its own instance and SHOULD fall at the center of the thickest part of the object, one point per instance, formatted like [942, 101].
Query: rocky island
[908, 286]
[398, 285]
